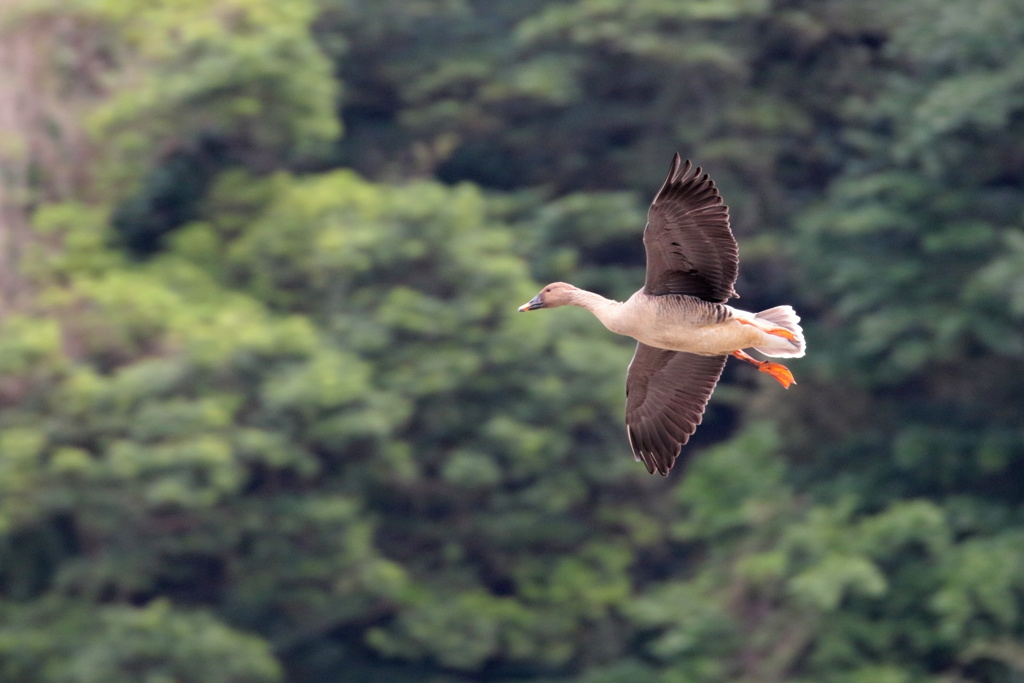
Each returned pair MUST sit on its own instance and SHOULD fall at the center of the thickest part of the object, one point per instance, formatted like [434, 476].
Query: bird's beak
[532, 305]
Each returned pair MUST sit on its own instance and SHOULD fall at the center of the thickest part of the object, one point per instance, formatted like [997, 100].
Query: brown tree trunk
[48, 68]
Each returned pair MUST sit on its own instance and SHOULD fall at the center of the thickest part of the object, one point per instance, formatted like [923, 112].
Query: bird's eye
[547, 289]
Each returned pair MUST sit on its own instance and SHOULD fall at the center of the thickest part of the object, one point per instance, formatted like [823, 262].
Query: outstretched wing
[690, 247]
[666, 392]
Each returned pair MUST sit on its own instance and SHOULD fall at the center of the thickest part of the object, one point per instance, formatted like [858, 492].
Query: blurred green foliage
[269, 413]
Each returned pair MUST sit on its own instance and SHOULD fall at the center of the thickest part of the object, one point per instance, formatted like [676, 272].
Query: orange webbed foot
[777, 370]
[782, 332]
[777, 331]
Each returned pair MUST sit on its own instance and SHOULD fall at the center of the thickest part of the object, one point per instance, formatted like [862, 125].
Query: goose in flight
[684, 329]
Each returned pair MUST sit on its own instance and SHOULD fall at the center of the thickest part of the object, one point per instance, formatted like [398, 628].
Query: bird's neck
[605, 310]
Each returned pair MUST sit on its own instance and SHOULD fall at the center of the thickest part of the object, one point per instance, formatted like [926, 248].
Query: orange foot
[780, 372]
[777, 331]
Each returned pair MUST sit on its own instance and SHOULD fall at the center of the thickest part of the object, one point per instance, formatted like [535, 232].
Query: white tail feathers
[774, 345]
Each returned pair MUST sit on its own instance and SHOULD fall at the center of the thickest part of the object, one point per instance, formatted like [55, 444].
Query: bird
[685, 330]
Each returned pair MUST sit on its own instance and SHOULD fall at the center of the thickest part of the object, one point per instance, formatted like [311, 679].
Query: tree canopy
[268, 413]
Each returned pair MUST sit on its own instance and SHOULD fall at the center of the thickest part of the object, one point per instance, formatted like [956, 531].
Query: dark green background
[268, 413]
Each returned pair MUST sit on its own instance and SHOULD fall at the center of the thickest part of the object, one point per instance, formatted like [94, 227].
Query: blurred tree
[919, 344]
[290, 454]
[574, 95]
[58, 640]
[242, 73]
[309, 439]
[44, 151]
[912, 250]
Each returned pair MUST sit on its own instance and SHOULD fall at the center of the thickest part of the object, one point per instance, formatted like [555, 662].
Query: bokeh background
[268, 413]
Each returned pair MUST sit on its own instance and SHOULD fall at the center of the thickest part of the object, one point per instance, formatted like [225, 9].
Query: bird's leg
[777, 331]
[780, 372]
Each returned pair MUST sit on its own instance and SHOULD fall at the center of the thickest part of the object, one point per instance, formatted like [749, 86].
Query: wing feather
[690, 246]
[666, 393]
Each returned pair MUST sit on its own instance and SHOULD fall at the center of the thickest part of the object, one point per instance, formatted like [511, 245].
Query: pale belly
[706, 340]
[676, 330]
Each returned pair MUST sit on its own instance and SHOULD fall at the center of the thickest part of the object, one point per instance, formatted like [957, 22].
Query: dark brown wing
[690, 248]
[666, 392]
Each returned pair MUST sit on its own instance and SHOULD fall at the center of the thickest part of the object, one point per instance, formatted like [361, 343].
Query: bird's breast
[710, 335]
[713, 339]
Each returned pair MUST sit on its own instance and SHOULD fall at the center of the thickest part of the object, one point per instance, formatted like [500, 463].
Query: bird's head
[554, 295]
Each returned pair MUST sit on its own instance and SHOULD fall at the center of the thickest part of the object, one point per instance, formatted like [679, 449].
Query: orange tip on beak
[532, 304]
